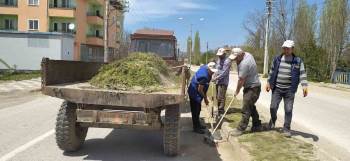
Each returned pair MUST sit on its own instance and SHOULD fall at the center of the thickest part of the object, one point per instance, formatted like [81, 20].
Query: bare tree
[333, 31]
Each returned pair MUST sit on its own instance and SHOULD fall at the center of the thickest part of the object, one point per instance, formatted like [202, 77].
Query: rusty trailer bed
[68, 80]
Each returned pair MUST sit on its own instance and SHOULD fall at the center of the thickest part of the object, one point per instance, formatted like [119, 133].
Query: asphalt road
[27, 134]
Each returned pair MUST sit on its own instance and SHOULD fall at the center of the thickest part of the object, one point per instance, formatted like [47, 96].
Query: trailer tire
[69, 136]
[171, 134]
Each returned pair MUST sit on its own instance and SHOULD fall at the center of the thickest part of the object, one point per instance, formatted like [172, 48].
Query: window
[98, 13]
[55, 3]
[33, 24]
[55, 27]
[64, 27]
[9, 2]
[9, 24]
[64, 3]
[33, 2]
[97, 33]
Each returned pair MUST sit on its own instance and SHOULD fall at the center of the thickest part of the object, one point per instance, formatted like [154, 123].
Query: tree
[197, 49]
[125, 42]
[333, 31]
[210, 55]
[320, 49]
[305, 23]
[305, 39]
[189, 48]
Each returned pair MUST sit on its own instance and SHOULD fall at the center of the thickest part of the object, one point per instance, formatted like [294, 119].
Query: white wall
[26, 51]
[67, 48]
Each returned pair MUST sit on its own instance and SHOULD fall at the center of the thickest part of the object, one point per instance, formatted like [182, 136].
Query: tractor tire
[171, 134]
[69, 135]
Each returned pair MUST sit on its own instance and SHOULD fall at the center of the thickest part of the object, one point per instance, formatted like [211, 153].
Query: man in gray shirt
[249, 80]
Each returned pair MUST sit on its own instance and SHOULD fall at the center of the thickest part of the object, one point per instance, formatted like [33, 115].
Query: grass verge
[273, 146]
[268, 145]
[19, 76]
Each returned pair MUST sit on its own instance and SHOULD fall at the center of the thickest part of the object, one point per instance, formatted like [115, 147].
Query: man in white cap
[287, 71]
[197, 91]
[221, 78]
[248, 78]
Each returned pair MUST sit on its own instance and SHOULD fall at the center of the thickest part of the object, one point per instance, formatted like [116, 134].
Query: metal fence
[342, 77]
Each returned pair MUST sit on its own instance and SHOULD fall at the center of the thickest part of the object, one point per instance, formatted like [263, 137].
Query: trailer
[85, 106]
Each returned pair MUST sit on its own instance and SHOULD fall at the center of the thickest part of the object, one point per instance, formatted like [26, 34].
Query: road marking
[24, 147]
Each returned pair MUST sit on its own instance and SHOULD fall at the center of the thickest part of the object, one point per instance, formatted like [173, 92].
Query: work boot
[258, 128]
[271, 125]
[199, 131]
[221, 111]
[236, 132]
[286, 133]
[202, 127]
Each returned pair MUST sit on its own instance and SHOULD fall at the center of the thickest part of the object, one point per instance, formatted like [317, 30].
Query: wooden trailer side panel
[114, 98]
[62, 71]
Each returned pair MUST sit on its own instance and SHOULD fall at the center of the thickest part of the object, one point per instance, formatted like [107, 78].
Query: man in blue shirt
[197, 91]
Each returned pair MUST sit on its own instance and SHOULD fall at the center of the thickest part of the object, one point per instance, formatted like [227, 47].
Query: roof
[147, 31]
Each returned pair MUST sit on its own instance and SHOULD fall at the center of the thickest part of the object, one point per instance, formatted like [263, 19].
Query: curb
[35, 90]
[238, 148]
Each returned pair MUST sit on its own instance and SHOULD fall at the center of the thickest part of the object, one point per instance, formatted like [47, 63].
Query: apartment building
[81, 18]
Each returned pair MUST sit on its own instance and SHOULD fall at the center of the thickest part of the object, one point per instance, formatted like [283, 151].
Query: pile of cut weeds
[138, 71]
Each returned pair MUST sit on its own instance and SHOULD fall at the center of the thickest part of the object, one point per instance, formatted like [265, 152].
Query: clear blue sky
[223, 19]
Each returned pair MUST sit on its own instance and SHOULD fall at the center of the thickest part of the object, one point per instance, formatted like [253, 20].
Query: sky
[219, 22]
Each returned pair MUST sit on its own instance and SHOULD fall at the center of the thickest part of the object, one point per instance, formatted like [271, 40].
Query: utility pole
[105, 34]
[190, 46]
[266, 56]
[206, 55]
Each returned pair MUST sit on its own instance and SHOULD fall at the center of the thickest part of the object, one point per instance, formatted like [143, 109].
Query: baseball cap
[220, 52]
[235, 53]
[288, 44]
[211, 67]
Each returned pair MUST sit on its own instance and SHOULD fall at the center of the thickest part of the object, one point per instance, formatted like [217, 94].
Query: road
[322, 117]
[27, 134]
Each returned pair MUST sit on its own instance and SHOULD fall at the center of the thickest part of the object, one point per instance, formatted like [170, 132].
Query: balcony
[62, 6]
[59, 9]
[94, 40]
[67, 31]
[8, 22]
[8, 3]
[100, 2]
[61, 12]
[94, 19]
[8, 29]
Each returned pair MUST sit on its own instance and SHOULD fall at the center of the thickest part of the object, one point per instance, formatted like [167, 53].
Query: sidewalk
[25, 85]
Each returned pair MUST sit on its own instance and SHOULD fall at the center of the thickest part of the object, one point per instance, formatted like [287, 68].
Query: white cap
[220, 52]
[211, 67]
[288, 44]
[235, 52]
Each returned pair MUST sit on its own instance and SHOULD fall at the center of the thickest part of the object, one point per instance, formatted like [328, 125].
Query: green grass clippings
[140, 70]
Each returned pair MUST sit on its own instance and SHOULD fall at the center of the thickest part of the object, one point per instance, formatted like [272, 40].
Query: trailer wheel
[69, 135]
[171, 135]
